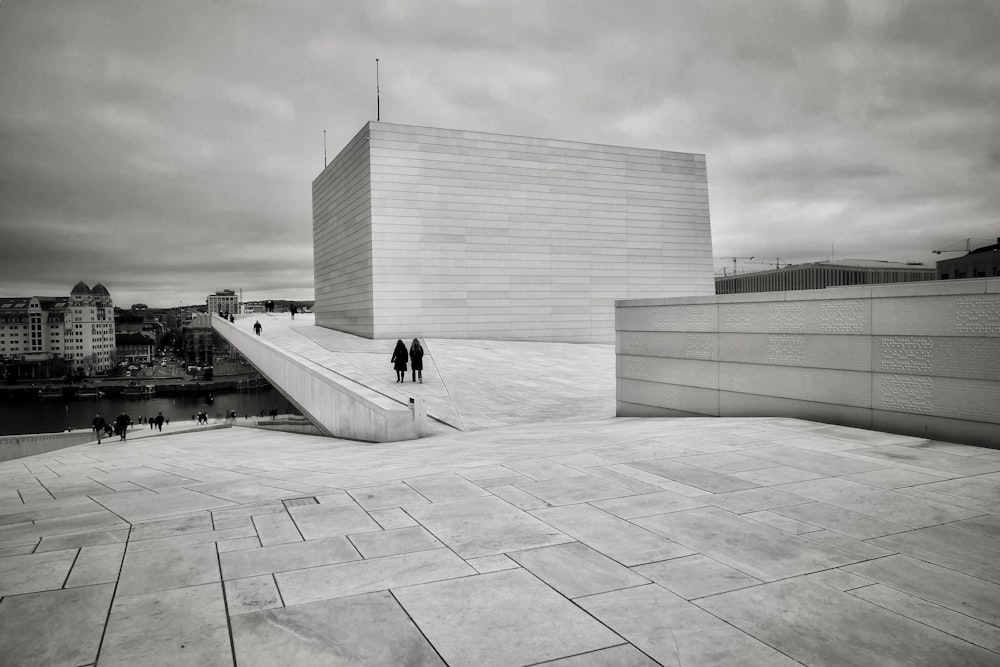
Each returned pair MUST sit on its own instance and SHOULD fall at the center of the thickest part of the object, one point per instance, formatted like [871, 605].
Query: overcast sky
[167, 149]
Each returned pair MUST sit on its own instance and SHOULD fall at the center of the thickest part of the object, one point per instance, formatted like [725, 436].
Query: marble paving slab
[676, 633]
[484, 526]
[395, 541]
[575, 569]
[756, 549]
[166, 628]
[162, 569]
[961, 550]
[386, 496]
[282, 557]
[438, 488]
[500, 619]
[32, 573]
[646, 504]
[878, 503]
[840, 520]
[71, 621]
[819, 625]
[319, 521]
[571, 490]
[696, 576]
[364, 630]
[700, 478]
[135, 506]
[366, 576]
[620, 540]
[96, 565]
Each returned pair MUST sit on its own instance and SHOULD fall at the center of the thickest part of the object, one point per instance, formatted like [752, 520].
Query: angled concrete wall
[336, 405]
[342, 241]
[477, 235]
[918, 358]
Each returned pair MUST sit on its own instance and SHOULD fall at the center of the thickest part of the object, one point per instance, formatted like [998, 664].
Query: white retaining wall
[915, 358]
[336, 405]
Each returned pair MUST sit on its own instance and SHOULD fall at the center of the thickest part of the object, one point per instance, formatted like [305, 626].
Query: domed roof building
[99, 289]
[80, 289]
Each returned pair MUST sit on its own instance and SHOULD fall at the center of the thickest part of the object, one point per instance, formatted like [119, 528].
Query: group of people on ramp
[415, 355]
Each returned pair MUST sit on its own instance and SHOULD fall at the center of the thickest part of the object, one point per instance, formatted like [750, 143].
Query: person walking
[99, 425]
[122, 422]
[159, 422]
[292, 309]
[399, 361]
[257, 327]
[417, 360]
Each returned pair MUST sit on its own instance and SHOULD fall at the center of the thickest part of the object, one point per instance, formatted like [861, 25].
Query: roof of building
[100, 289]
[80, 288]
[46, 302]
[871, 264]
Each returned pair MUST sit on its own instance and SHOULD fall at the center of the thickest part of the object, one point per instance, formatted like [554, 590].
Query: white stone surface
[475, 235]
[914, 358]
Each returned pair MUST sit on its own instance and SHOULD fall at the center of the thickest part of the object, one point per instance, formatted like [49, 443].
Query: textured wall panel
[927, 353]
[851, 353]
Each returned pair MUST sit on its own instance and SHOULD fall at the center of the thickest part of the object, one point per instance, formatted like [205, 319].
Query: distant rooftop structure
[977, 263]
[820, 275]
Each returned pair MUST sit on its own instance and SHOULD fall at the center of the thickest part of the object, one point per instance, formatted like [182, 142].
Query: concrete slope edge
[338, 406]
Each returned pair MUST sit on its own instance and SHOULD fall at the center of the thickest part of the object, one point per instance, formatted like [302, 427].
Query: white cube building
[443, 233]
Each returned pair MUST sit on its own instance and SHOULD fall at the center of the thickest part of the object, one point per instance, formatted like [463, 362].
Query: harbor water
[53, 415]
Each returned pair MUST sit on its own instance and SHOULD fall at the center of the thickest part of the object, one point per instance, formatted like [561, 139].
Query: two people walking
[416, 358]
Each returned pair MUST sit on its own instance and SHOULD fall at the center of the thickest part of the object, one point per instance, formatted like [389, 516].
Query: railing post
[419, 414]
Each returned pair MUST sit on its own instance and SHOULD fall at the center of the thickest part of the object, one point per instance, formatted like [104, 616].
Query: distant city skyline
[167, 150]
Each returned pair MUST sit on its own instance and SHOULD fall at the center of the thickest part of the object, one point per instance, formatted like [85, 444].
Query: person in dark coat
[122, 423]
[159, 422]
[99, 425]
[292, 309]
[417, 360]
[257, 327]
[399, 361]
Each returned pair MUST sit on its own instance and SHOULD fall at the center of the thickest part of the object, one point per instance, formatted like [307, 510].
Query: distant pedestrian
[417, 360]
[232, 319]
[152, 423]
[159, 421]
[292, 309]
[257, 327]
[274, 413]
[122, 423]
[99, 425]
[398, 361]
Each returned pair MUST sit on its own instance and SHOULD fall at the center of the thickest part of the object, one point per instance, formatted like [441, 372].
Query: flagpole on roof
[378, 102]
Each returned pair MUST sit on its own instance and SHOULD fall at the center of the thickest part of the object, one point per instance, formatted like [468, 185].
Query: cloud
[170, 147]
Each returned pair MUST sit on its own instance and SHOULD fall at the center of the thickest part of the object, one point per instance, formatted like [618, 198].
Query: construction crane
[967, 246]
[734, 259]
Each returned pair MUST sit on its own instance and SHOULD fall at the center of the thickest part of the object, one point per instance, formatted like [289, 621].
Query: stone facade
[920, 358]
[444, 233]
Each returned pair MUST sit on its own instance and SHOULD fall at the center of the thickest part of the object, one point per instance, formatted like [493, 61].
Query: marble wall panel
[813, 351]
[591, 223]
[920, 359]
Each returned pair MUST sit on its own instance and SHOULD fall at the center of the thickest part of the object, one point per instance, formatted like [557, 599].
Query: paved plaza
[550, 534]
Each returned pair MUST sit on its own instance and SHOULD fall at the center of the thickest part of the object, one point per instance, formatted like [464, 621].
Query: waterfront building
[78, 328]
[979, 263]
[197, 344]
[132, 323]
[430, 232]
[224, 301]
[820, 275]
[134, 348]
